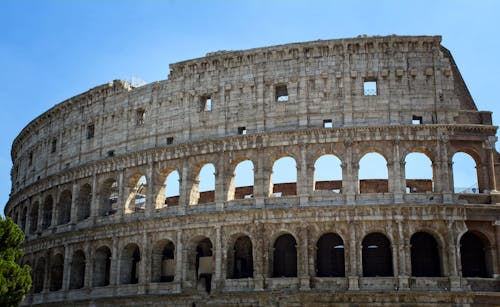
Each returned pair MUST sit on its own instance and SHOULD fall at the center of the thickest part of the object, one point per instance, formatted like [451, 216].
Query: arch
[56, 272]
[201, 260]
[203, 189]
[136, 200]
[64, 208]
[77, 273]
[330, 260]
[47, 212]
[129, 264]
[377, 255]
[285, 256]
[163, 261]
[425, 261]
[240, 258]
[84, 201]
[465, 173]
[170, 191]
[33, 218]
[109, 197]
[328, 173]
[39, 275]
[418, 173]
[373, 173]
[242, 181]
[473, 255]
[102, 267]
[283, 177]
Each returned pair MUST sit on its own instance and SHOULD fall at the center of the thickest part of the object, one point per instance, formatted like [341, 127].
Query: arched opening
[473, 256]
[163, 262]
[39, 275]
[330, 256]
[34, 217]
[169, 193]
[102, 267]
[373, 174]
[203, 190]
[109, 197]
[77, 274]
[328, 174]
[465, 178]
[64, 208]
[377, 256]
[284, 177]
[285, 256]
[47, 212]
[424, 255]
[129, 269]
[204, 263]
[136, 200]
[56, 272]
[418, 173]
[241, 184]
[84, 200]
[240, 259]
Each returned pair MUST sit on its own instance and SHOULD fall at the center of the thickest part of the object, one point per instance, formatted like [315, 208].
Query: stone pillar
[220, 178]
[150, 188]
[350, 184]
[218, 257]
[397, 182]
[261, 184]
[144, 277]
[303, 181]
[402, 253]
[122, 198]
[354, 264]
[303, 257]
[178, 257]
[489, 145]
[66, 267]
[184, 187]
[74, 203]
[89, 265]
[259, 257]
[447, 172]
[94, 204]
[46, 282]
[55, 207]
[454, 258]
[115, 263]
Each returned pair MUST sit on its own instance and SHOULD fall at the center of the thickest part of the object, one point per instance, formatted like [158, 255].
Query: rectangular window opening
[53, 147]
[370, 88]
[327, 123]
[416, 120]
[242, 130]
[281, 93]
[31, 159]
[206, 103]
[90, 131]
[170, 140]
[140, 117]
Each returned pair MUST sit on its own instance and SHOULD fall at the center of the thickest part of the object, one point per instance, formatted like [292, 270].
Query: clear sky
[53, 50]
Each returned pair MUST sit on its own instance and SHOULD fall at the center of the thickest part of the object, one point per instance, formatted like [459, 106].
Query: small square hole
[327, 123]
[90, 131]
[170, 140]
[206, 103]
[370, 88]
[242, 130]
[281, 93]
[416, 120]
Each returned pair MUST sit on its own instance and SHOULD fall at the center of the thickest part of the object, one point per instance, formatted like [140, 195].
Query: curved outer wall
[76, 169]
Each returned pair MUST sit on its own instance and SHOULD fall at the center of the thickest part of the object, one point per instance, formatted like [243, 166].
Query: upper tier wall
[224, 92]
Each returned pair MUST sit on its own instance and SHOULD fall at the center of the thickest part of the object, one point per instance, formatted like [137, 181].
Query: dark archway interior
[330, 256]
[424, 256]
[243, 260]
[473, 256]
[377, 256]
[285, 257]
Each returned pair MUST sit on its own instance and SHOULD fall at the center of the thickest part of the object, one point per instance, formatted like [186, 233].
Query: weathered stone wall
[93, 236]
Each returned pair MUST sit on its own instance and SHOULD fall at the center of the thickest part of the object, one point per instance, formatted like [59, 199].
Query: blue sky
[53, 50]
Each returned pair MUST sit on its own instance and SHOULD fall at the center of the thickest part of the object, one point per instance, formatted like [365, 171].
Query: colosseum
[110, 186]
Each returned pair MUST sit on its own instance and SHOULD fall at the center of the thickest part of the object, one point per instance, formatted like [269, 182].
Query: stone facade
[89, 175]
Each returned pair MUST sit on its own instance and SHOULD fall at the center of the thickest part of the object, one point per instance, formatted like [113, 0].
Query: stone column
[303, 180]
[184, 186]
[303, 257]
[261, 184]
[115, 263]
[89, 265]
[122, 198]
[94, 204]
[220, 177]
[259, 257]
[144, 277]
[55, 206]
[401, 252]
[397, 180]
[74, 203]
[490, 174]
[218, 257]
[178, 257]
[150, 188]
[454, 258]
[354, 265]
[66, 267]
[447, 173]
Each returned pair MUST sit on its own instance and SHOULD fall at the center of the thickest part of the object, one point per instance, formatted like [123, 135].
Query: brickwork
[98, 235]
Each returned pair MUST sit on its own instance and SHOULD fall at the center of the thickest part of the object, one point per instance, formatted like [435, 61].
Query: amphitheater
[107, 184]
